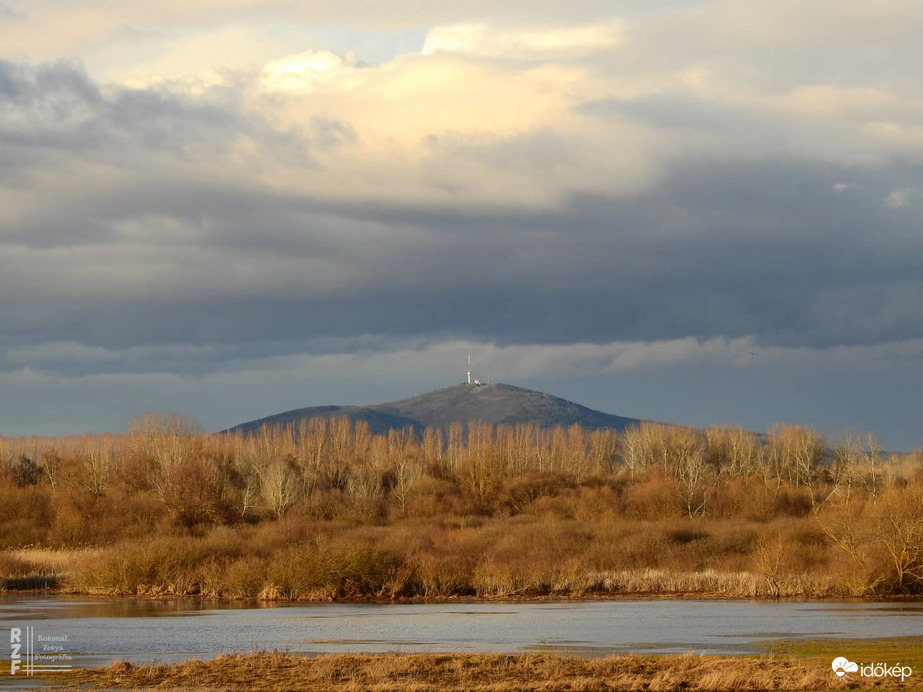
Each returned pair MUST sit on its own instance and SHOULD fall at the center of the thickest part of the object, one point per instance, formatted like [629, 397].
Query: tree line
[230, 477]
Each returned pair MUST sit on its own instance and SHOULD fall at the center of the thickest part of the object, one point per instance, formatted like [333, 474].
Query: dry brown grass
[56, 560]
[473, 672]
[328, 510]
[40, 568]
[525, 556]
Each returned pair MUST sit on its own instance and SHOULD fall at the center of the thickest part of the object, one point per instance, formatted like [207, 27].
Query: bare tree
[682, 452]
[603, 450]
[847, 453]
[404, 463]
[632, 450]
[875, 476]
[280, 485]
[434, 451]
[478, 472]
[899, 528]
[454, 447]
[769, 559]
[97, 465]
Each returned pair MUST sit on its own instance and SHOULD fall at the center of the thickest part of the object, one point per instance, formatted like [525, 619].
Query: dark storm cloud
[768, 250]
[58, 109]
[153, 266]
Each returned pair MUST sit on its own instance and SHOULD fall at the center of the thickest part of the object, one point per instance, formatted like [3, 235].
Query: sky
[701, 212]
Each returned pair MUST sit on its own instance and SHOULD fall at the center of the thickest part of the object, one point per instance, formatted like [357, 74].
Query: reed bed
[301, 559]
[474, 672]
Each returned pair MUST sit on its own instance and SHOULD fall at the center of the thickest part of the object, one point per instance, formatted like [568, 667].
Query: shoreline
[410, 600]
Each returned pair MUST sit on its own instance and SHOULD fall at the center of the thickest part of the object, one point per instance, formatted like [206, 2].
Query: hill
[494, 403]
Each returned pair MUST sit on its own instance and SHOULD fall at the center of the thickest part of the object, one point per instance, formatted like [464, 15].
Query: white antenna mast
[469, 367]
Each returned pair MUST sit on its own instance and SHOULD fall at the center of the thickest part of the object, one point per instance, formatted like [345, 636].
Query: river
[82, 631]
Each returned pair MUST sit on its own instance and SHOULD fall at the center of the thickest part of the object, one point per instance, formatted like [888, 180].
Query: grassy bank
[904, 650]
[469, 672]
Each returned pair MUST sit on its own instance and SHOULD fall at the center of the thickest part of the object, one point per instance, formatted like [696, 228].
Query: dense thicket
[327, 509]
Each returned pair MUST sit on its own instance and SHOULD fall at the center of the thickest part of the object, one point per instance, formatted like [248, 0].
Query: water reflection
[43, 607]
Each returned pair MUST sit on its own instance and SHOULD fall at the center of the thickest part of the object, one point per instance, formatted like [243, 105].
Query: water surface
[99, 630]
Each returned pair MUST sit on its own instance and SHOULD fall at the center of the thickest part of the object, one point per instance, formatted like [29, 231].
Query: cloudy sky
[692, 211]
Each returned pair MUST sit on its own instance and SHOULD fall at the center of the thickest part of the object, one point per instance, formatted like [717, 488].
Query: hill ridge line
[496, 403]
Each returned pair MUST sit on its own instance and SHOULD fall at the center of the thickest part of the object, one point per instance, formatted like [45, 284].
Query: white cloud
[482, 39]
[843, 187]
[900, 199]
[305, 71]
[488, 83]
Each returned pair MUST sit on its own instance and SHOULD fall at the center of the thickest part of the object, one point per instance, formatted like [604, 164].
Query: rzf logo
[50, 657]
[16, 647]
